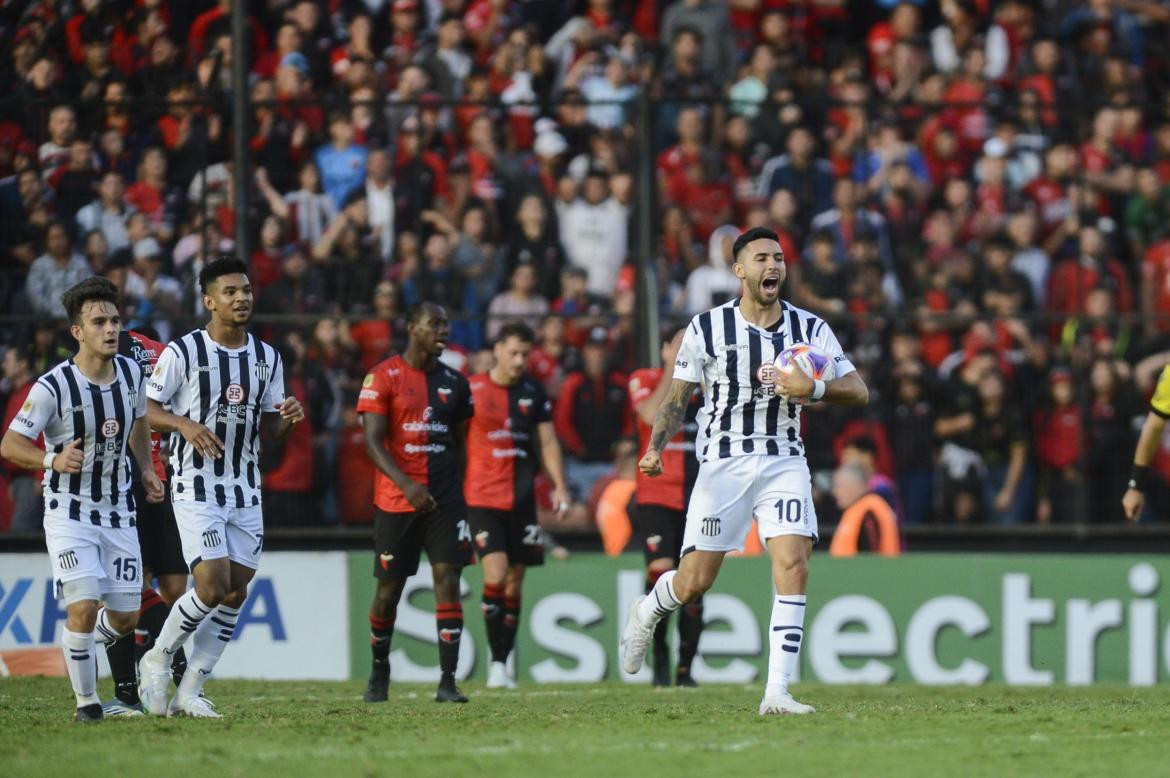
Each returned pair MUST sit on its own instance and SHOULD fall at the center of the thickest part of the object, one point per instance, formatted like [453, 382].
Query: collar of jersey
[778, 327]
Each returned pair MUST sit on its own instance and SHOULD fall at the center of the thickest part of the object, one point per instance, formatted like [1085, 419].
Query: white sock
[784, 640]
[81, 662]
[207, 647]
[184, 618]
[104, 633]
[661, 601]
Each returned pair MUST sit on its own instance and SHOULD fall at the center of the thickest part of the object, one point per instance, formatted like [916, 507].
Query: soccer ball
[817, 363]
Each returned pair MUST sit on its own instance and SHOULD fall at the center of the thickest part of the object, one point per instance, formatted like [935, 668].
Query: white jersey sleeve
[167, 376]
[274, 393]
[140, 397]
[692, 355]
[825, 339]
[36, 413]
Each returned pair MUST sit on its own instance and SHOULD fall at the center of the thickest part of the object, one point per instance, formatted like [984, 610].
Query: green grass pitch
[324, 729]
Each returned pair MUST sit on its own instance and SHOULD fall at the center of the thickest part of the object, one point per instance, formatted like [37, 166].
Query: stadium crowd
[976, 194]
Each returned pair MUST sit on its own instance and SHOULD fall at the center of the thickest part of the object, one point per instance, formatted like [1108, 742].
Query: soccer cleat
[635, 640]
[448, 691]
[377, 690]
[498, 677]
[683, 679]
[89, 714]
[117, 708]
[154, 681]
[195, 707]
[779, 703]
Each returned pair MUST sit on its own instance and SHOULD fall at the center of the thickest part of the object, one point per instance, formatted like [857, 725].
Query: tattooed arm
[667, 422]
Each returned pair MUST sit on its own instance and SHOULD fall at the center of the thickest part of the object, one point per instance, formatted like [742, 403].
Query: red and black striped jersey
[680, 467]
[145, 352]
[423, 411]
[502, 445]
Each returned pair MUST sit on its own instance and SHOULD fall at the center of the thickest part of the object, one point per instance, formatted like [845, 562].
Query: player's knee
[82, 615]
[123, 622]
[235, 598]
[172, 588]
[689, 588]
[791, 569]
[211, 591]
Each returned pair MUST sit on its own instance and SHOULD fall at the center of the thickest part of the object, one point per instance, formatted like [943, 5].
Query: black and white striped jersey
[741, 416]
[66, 406]
[227, 391]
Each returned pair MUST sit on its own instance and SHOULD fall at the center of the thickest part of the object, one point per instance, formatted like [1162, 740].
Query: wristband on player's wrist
[1138, 477]
[47, 462]
[819, 388]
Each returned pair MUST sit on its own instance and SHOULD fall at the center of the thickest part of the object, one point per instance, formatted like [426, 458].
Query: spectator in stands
[1108, 430]
[287, 465]
[342, 163]
[24, 486]
[75, 181]
[298, 290]
[809, 178]
[522, 301]
[593, 229]
[446, 61]
[373, 336]
[347, 255]
[868, 522]
[108, 212]
[54, 153]
[534, 242]
[160, 295]
[716, 45]
[381, 204]
[714, 283]
[1001, 438]
[591, 414]
[54, 271]
[1057, 430]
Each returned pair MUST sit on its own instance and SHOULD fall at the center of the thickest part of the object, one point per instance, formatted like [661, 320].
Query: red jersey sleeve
[563, 415]
[642, 384]
[375, 394]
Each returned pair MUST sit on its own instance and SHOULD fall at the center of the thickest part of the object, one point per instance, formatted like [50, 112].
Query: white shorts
[78, 549]
[208, 531]
[729, 493]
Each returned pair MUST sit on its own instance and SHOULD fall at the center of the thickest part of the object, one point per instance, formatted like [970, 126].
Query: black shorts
[516, 532]
[158, 536]
[661, 531]
[400, 539]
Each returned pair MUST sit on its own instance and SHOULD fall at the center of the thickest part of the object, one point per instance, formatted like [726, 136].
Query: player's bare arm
[140, 448]
[1134, 499]
[668, 419]
[25, 453]
[204, 440]
[374, 427]
[846, 390]
[553, 460]
[277, 425]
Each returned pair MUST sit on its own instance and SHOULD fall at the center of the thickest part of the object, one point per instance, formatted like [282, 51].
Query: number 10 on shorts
[791, 510]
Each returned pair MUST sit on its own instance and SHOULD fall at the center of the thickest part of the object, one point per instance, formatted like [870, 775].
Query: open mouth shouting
[770, 284]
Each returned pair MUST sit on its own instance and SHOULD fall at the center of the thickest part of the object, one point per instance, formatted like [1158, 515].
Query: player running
[91, 409]
[512, 431]
[225, 388]
[750, 453]
[414, 415]
[659, 509]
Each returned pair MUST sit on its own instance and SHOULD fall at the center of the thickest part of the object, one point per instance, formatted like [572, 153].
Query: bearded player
[660, 509]
[751, 458]
[414, 412]
[510, 435]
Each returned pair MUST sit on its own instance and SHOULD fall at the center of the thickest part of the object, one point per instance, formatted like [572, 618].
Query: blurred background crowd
[976, 194]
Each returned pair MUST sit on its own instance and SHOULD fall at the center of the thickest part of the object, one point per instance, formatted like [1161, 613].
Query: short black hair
[223, 265]
[516, 329]
[863, 443]
[755, 233]
[95, 289]
[419, 309]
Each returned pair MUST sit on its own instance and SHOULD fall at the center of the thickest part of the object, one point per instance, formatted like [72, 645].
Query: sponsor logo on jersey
[111, 428]
[444, 393]
[450, 635]
[28, 406]
[368, 380]
[368, 394]
[234, 394]
[384, 560]
[429, 448]
[524, 404]
[653, 542]
[428, 412]
[766, 373]
[481, 538]
[680, 363]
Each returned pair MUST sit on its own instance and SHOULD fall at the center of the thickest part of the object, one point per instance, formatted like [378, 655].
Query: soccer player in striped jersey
[92, 411]
[414, 413]
[509, 437]
[750, 454]
[225, 390]
[660, 508]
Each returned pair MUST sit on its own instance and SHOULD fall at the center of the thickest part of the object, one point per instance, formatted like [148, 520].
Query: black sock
[690, 627]
[381, 631]
[122, 670]
[661, 651]
[178, 665]
[152, 614]
[449, 623]
[493, 619]
[511, 623]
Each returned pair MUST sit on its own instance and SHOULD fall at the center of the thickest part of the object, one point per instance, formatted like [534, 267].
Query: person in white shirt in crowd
[55, 271]
[714, 284]
[594, 229]
[108, 212]
[380, 199]
[521, 302]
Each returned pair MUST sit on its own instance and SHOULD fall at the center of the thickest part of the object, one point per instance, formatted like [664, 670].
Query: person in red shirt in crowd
[24, 486]
[544, 361]
[675, 160]
[660, 507]
[1049, 192]
[592, 412]
[415, 411]
[1155, 287]
[1073, 279]
[210, 22]
[1059, 435]
[288, 40]
[374, 336]
[404, 43]
[287, 465]
[703, 190]
[487, 23]
[510, 436]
